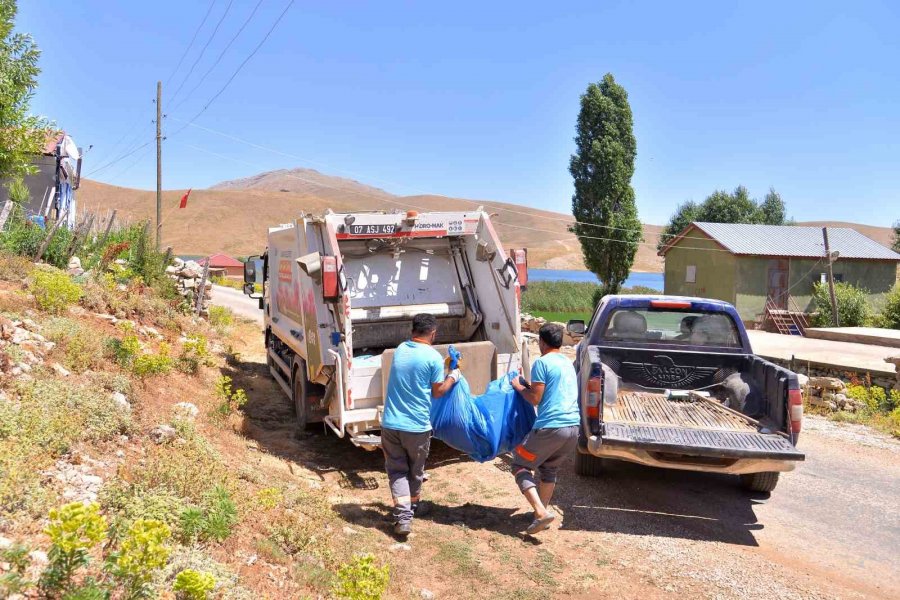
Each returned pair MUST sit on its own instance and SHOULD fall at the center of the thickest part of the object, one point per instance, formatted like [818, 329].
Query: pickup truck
[672, 382]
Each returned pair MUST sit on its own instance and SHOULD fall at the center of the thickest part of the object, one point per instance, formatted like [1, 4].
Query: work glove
[455, 355]
[455, 374]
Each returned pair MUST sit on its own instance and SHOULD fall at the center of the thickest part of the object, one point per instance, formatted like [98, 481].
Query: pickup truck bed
[654, 423]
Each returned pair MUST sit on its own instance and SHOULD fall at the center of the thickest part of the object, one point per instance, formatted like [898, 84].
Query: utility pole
[158, 165]
[834, 308]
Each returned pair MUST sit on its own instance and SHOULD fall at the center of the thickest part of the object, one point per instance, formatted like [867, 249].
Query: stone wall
[188, 277]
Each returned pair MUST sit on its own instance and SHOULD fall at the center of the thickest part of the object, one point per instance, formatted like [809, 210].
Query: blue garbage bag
[484, 426]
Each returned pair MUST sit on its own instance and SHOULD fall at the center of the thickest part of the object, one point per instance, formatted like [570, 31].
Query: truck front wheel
[760, 482]
[588, 464]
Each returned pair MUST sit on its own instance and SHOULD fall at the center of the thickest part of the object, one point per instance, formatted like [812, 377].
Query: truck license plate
[371, 229]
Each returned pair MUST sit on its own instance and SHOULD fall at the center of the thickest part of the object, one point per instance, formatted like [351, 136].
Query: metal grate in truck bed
[644, 408]
[700, 442]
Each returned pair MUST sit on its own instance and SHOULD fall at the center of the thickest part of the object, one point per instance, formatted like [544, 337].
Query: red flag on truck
[183, 203]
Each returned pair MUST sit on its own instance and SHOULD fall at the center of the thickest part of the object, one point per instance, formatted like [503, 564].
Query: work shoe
[539, 525]
[402, 529]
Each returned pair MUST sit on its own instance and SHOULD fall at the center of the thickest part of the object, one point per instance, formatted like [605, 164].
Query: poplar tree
[602, 167]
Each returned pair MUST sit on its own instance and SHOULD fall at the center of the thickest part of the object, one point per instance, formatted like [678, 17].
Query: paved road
[239, 304]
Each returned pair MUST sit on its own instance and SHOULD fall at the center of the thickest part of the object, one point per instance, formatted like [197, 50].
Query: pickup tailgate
[695, 427]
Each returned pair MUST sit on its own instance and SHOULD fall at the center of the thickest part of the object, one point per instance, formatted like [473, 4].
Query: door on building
[778, 282]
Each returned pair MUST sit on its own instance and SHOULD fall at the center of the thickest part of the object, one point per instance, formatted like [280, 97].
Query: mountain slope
[233, 216]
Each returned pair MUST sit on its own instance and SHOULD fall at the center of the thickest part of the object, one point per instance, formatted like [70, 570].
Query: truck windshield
[694, 328]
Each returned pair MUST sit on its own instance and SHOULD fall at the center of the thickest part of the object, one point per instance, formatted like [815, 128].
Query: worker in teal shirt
[417, 376]
[554, 391]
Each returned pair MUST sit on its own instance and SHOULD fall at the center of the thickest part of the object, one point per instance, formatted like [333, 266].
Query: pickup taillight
[795, 410]
[594, 396]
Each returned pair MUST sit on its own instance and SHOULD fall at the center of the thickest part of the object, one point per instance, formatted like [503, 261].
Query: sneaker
[539, 525]
[402, 529]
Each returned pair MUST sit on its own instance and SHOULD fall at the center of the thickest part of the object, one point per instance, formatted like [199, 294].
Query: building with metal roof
[774, 266]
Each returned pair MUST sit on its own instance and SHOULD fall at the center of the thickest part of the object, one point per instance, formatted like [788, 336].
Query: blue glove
[454, 357]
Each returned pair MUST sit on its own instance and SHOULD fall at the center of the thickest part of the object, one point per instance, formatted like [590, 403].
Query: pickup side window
[676, 327]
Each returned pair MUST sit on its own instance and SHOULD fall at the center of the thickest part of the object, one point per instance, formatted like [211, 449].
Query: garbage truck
[339, 292]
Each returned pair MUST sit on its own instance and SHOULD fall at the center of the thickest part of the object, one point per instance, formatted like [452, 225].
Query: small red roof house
[223, 264]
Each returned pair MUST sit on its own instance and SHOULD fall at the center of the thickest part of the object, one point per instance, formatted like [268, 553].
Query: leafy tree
[724, 207]
[21, 134]
[896, 245]
[602, 167]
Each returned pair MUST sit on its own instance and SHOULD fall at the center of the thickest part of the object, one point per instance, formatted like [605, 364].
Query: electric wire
[202, 52]
[219, 58]
[239, 68]
[191, 44]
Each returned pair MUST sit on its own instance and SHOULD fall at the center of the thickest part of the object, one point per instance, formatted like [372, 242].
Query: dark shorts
[543, 450]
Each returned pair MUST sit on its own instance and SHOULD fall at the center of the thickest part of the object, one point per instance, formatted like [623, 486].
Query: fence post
[7, 208]
[50, 235]
[201, 291]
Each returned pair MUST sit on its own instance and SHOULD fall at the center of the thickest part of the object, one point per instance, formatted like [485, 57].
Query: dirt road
[830, 530]
[239, 304]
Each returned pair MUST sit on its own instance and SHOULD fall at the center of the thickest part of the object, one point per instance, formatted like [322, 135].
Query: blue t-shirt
[414, 369]
[559, 404]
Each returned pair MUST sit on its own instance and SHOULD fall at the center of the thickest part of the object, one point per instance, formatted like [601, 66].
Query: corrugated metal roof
[793, 240]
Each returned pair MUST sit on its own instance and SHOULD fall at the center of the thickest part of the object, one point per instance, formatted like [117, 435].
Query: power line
[221, 55]
[238, 70]
[193, 39]
[117, 159]
[202, 51]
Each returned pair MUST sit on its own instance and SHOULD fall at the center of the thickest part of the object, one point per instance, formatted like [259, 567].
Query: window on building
[839, 277]
[691, 275]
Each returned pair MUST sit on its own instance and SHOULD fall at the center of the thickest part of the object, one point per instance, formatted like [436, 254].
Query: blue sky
[479, 99]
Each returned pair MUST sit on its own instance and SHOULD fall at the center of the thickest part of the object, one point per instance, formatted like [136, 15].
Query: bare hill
[233, 216]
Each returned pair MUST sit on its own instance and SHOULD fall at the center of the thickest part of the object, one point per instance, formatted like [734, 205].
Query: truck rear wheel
[588, 464]
[760, 482]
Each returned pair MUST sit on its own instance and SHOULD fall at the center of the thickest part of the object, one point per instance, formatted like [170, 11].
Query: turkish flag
[184, 198]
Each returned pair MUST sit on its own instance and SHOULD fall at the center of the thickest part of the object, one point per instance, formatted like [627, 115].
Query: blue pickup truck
[672, 382]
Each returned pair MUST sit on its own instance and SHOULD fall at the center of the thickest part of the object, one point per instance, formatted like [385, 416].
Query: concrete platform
[861, 335]
[824, 353]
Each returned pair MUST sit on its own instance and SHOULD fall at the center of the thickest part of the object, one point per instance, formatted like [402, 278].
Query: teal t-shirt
[414, 369]
[559, 404]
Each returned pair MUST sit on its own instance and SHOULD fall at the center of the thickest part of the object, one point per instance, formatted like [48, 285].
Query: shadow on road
[628, 499]
[637, 500]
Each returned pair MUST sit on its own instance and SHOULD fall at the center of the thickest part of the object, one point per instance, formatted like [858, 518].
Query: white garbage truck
[340, 291]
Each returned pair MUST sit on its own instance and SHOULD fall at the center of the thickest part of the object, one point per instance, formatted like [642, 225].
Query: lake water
[651, 280]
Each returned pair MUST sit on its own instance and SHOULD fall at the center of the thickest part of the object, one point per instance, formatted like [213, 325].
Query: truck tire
[268, 340]
[760, 482]
[299, 387]
[588, 464]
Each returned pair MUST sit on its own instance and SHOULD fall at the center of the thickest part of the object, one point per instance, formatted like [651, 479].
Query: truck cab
[672, 382]
[340, 291]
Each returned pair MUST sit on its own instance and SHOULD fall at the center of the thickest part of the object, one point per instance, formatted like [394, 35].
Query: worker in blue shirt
[554, 391]
[417, 376]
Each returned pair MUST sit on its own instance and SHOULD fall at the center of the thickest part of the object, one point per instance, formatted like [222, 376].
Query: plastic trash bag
[484, 426]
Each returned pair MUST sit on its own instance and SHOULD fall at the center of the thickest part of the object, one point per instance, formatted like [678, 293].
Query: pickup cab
[672, 382]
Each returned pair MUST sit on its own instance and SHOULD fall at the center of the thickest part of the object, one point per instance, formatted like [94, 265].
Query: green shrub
[14, 581]
[231, 399]
[53, 290]
[194, 585]
[194, 354]
[143, 551]
[559, 296]
[852, 303]
[212, 520]
[360, 579]
[160, 363]
[220, 318]
[73, 530]
[127, 503]
[890, 315]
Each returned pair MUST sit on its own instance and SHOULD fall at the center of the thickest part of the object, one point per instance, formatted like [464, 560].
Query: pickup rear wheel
[760, 482]
[588, 464]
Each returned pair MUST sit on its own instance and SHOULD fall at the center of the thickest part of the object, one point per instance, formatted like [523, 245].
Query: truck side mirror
[576, 327]
[251, 273]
